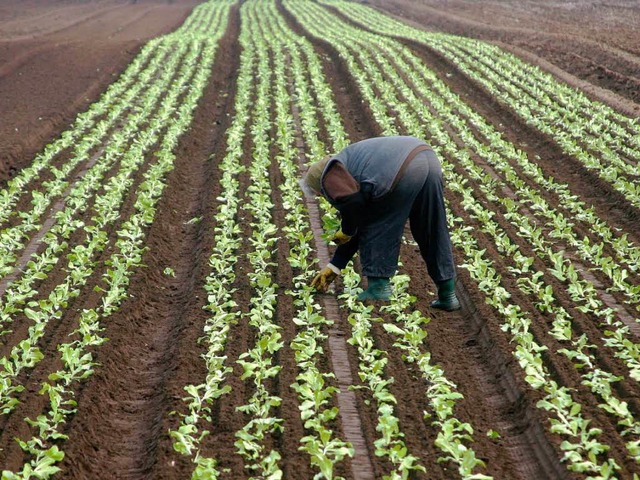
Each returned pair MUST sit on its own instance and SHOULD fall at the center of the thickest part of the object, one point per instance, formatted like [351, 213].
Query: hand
[323, 279]
[340, 238]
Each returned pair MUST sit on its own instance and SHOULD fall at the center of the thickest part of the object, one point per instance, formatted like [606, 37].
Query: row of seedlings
[223, 310]
[316, 389]
[256, 439]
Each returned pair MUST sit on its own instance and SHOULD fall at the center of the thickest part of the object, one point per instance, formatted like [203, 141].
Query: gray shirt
[377, 161]
[364, 172]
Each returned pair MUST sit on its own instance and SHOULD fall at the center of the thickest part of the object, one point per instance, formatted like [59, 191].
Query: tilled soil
[47, 75]
[595, 41]
[56, 58]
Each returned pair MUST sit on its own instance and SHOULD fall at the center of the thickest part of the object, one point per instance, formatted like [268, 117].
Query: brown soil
[595, 41]
[55, 60]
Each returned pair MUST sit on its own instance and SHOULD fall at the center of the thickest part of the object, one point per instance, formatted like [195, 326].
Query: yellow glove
[340, 238]
[324, 278]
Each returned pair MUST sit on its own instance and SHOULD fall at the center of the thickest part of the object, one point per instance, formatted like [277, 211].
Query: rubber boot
[447, 299]
[379, 288]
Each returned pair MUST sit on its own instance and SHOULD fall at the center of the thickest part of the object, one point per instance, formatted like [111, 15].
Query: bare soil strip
[51, 21]
[531, 454]
[349, 414]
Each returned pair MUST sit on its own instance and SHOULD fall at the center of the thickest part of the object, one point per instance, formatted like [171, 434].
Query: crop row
[315, 389]
[222, 309]
[259, 45]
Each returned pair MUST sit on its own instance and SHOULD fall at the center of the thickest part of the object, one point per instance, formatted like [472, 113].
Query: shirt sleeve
[345, 252]
[351, 209]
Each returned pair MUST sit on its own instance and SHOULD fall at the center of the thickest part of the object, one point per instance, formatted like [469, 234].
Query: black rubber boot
[447, 299]
[379, 288]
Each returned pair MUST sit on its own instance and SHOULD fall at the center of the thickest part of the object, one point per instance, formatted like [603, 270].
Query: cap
[314, 174]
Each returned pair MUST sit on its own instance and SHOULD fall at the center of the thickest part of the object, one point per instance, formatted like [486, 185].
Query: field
[155, 316]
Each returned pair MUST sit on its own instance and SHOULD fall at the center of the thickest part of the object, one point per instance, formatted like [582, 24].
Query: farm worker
[376, 185]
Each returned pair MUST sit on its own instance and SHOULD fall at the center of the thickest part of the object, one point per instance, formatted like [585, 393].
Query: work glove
[340, 238]
[324, 278]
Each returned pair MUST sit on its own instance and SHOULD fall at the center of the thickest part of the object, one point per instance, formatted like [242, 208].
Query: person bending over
[376, 185]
